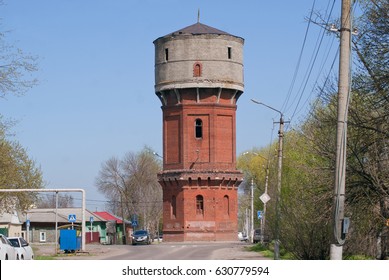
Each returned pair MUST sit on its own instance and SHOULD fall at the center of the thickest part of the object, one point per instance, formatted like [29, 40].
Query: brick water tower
[199, 78]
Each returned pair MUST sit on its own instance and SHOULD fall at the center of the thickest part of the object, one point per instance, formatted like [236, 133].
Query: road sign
[134, 221]
[264, 198]
[91, 219]
[72, 218]
[28, 223]
[259, 213]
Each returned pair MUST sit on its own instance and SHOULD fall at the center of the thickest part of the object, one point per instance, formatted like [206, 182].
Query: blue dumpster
[69, 241]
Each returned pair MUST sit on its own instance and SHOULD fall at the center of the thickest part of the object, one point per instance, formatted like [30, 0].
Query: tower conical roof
[199, 28]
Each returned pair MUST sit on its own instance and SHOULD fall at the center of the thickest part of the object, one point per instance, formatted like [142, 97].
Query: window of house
[174, 207]
[199, 128]
[42, 236]
[199, 205]
[229, 50]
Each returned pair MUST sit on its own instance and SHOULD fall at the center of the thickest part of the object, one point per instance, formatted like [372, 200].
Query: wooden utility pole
[339, 222]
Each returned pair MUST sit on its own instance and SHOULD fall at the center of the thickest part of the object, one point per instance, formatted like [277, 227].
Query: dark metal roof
[199, 28]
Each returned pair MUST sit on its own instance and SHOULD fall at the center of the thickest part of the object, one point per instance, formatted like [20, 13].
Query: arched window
[199, 128]
[226, 205]
[197, 70]
[173, 207]
[199, 205]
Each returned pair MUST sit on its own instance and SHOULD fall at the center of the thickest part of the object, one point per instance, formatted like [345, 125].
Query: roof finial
[198, 15]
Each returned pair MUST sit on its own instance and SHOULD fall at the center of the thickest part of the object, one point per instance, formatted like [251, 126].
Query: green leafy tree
[17, 171]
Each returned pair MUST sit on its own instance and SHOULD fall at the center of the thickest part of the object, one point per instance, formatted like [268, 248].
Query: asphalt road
[168, 251]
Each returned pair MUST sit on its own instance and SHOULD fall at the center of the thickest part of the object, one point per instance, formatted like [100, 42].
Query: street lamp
[158, 155]
[278, 195]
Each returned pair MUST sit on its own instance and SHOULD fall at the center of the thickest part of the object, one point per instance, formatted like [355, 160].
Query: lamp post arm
[260, 103]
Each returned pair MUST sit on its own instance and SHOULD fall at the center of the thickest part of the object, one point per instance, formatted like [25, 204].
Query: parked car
[23, 249]
[158, 237]
[242, 236]
[7, 251]
[141, 237]
[257, 235]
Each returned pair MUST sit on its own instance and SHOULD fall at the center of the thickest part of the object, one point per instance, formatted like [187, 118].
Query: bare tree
[16, 68]
[132, 183]
[49, 201]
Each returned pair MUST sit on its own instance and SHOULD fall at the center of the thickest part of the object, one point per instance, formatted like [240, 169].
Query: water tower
[199, 79]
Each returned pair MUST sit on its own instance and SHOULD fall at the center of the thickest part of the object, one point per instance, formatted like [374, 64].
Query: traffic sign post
[72, 219]
[91, 228]
[134, 221]
[264, 198]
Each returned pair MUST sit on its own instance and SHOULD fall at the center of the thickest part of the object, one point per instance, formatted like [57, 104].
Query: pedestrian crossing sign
[72, 218]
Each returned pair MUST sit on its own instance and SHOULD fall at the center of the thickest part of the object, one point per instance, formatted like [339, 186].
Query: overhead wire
[300, 57]
[315, 84]
[312, 62]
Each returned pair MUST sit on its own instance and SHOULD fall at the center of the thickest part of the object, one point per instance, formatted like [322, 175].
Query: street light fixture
[278, 194]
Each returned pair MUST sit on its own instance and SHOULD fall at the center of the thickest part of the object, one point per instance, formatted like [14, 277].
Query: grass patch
[263, 249]
[44, 258]
[359, 257]
[268, 251]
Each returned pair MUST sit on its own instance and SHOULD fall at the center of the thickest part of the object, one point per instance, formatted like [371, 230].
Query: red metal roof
[108, 216]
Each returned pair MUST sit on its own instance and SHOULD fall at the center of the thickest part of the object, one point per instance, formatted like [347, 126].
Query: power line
[299, 59]
[312, 62]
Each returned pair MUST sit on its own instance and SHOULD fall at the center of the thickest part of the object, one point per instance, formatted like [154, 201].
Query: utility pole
[252, 212]
[279, 177]
[339, 224]
[264, 197]
[278, 197]
[264, 200]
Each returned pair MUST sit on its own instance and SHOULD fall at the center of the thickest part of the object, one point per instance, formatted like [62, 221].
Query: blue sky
[95, 97]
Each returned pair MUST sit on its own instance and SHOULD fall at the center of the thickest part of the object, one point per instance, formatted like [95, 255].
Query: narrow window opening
[174, 207]
[199, 205]
[166, 54]
[229, 52]
[226, 204]
[197, 70]
[199, 128]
